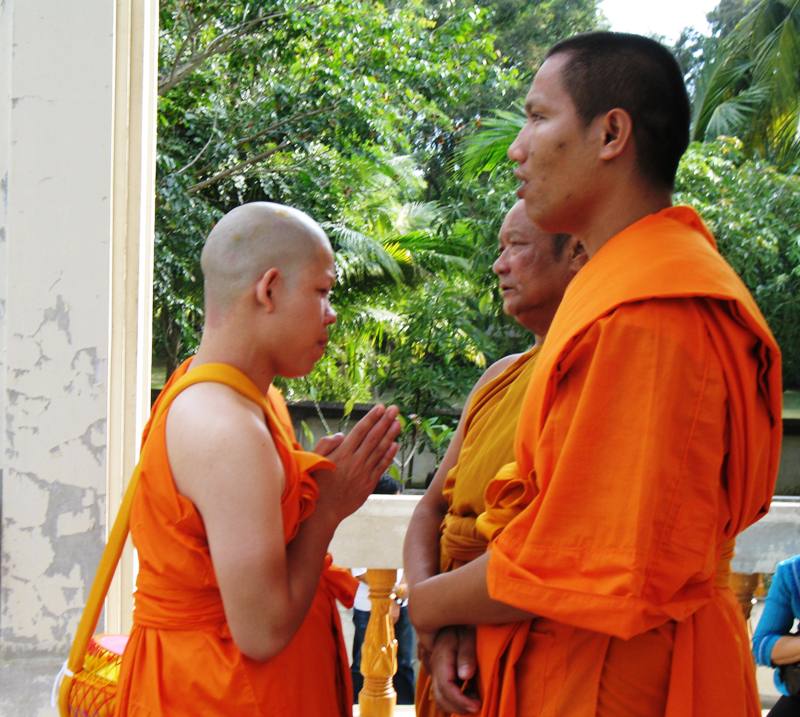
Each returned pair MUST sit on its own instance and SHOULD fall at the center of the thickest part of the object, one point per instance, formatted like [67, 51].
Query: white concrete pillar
[76, 183]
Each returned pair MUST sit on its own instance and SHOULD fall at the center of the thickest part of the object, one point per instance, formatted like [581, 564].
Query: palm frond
[733, 116]
[721, 80]
[359, 256]
[487, 149]
[415, 216]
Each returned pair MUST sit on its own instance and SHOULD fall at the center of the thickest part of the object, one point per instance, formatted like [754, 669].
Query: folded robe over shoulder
[488, 444]
[181, 660]
[651, 432]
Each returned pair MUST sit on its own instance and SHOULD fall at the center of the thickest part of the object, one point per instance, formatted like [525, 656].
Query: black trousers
[786, 707]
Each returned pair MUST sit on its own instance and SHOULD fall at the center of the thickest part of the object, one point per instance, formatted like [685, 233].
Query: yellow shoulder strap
[213, 372]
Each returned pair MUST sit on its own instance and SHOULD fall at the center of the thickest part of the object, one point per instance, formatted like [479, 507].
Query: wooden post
[743, 586]
[379, 651]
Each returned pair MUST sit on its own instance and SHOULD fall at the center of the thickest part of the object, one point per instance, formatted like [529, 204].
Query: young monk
[235, 611]
[533, 270]
[650, 432]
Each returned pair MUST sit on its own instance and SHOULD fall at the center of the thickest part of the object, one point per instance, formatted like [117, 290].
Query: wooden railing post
[743, 586]
[379, 651]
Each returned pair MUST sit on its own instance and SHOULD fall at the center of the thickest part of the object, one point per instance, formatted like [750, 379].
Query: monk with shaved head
[649, 435]
[235, 599]
[468, 498]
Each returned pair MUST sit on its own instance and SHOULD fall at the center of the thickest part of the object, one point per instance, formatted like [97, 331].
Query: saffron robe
[651, 435]
[181, 659]
[487, 445]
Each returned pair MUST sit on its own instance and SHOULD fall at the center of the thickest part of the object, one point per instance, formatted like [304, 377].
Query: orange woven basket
[87, 684]
[92, 691]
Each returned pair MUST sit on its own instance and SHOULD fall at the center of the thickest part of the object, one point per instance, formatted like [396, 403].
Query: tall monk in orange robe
[650, 432]
[235, 604]
[533, 269]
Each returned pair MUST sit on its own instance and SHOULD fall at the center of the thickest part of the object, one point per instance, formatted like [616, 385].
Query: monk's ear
[616, 133]
[265, 288]
[577, 254]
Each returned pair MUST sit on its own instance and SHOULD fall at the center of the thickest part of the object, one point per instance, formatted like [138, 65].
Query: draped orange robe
[488, 443]
[650, 435]
[180, 659]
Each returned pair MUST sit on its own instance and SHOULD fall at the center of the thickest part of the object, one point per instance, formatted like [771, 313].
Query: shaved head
[251, 239]
[533, 269]
[517, 218]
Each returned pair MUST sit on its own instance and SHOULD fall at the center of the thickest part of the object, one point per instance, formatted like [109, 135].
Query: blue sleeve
[777, 618]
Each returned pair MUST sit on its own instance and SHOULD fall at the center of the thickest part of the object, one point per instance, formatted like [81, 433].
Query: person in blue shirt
[773, 645]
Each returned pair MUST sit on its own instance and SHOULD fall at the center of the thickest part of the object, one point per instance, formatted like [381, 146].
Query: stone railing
[373, 536]
[763, 545]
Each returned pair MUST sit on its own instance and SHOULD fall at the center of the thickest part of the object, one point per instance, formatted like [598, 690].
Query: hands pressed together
[361, 457]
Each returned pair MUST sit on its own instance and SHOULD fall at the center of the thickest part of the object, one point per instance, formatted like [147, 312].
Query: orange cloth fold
[507, 494]
[488, 444]
[651, 435]
[180, 659]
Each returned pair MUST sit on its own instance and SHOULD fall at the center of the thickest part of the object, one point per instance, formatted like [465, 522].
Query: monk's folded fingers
[356, 437]
[327, 444]
[466, 660]
[386, 460]
[353, 441]
[385, 430]
[375, 445]
[344, 454]
[446, 686]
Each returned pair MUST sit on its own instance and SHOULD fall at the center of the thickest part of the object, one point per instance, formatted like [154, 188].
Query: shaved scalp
[605, 70]
[251, 239]
[518, 213]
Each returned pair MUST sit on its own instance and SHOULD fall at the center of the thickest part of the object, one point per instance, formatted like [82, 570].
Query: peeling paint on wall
[54, 314]
[58, 315]
[89, 368]
[61, 540]
[2, 560]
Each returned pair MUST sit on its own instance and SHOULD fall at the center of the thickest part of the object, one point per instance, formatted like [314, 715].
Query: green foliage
[525, 30]
[752, 210]
[354, 111]
[695, 50]
[750, 87]
[308, 104]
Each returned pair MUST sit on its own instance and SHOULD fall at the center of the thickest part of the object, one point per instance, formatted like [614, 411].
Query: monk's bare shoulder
[496, 369]
[213, 432]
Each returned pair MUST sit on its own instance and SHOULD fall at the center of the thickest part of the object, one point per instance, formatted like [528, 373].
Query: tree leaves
[751, 88]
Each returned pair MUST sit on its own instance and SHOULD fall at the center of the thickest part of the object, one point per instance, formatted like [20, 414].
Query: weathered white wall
[55, 159]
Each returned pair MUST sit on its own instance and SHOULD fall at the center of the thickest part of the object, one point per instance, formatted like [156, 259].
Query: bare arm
[459, 597]
[225, 461]
[421, 546]
[786, 650]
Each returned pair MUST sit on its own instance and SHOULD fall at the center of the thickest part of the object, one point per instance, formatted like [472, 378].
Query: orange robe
[488, 443]
[181, 659]
[651, 435]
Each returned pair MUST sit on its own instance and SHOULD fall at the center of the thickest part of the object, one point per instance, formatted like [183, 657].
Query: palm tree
[383, 238]
[486, 151]
[751, 89]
